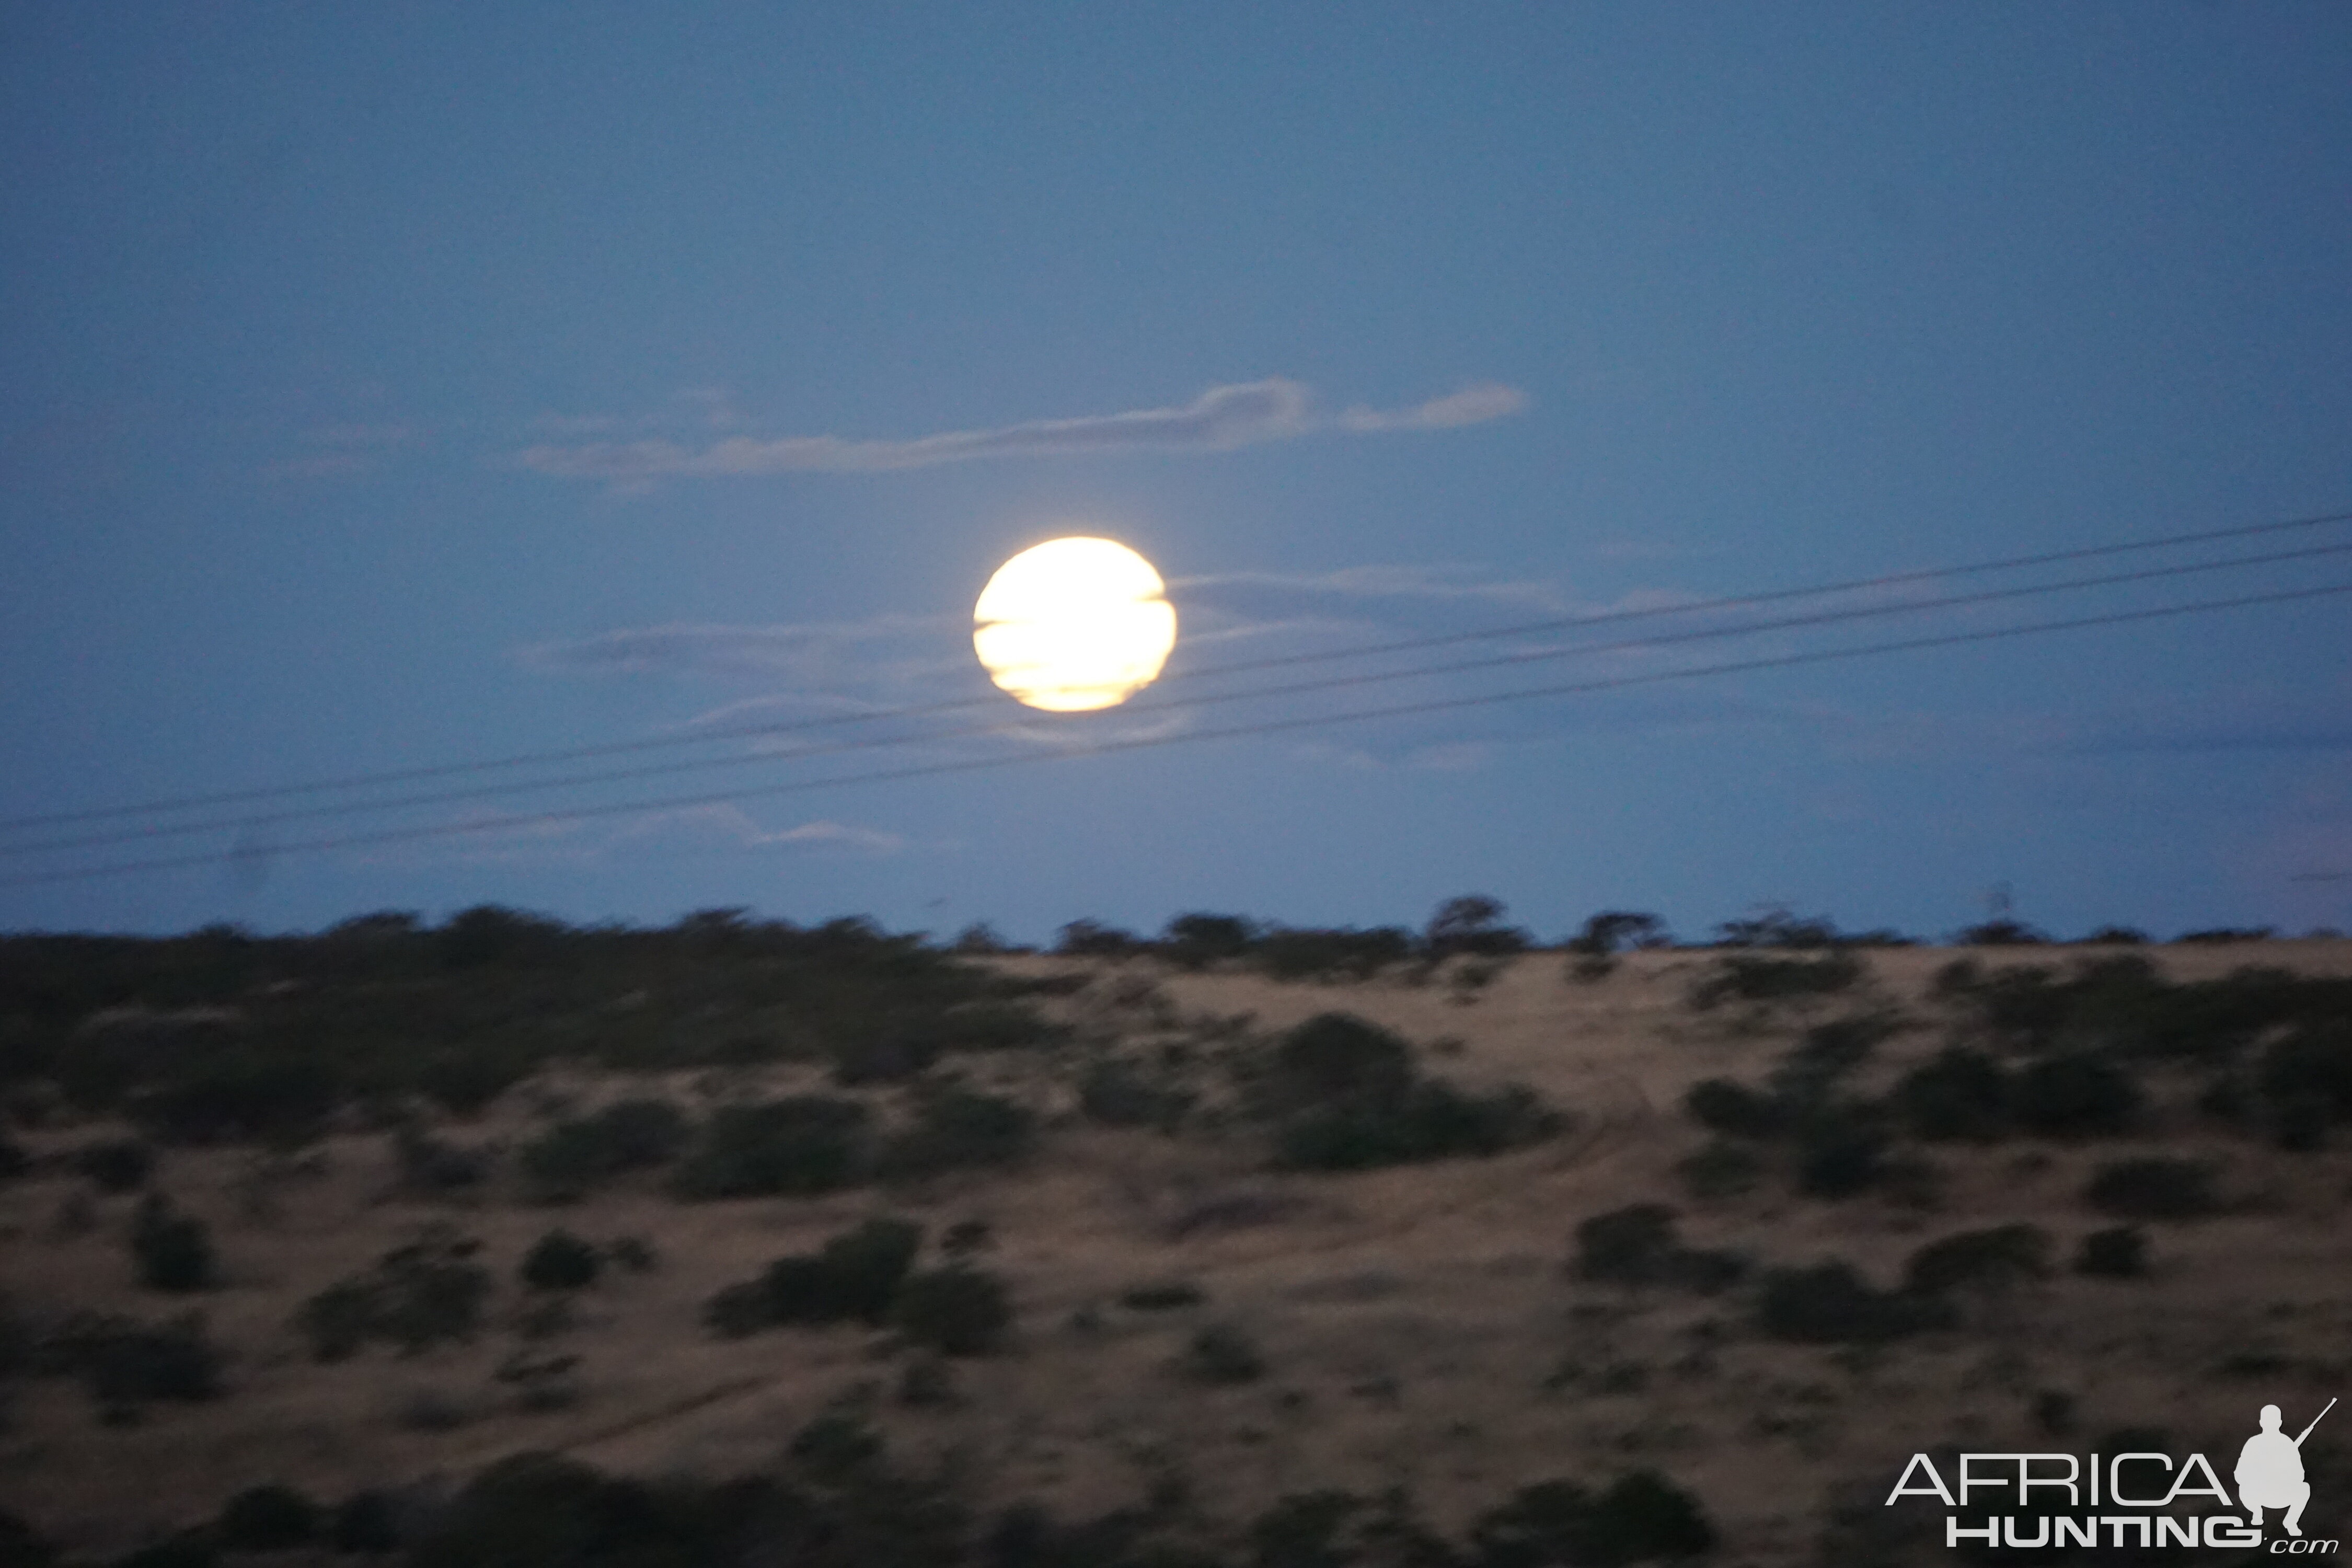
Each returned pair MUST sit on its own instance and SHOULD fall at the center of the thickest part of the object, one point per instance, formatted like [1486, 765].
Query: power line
[622, 748]
[1148, 707]
[1267, 727]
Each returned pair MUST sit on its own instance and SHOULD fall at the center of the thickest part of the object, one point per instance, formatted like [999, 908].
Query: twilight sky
[390, 387]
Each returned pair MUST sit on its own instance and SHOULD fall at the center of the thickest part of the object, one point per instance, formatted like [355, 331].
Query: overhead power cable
[1524, 629]
[1150, 707]
[1266, 727]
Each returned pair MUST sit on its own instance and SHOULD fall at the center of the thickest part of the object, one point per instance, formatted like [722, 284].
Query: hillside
[1431, 1323]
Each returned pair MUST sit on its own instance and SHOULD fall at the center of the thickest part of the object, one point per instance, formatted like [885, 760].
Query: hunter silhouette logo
[2270, 1470]
[2133, 1499]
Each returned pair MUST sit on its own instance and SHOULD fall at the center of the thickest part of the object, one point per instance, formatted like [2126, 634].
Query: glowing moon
[1073, 625]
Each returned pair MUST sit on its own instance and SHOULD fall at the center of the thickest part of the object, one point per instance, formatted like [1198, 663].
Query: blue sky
[389, 387]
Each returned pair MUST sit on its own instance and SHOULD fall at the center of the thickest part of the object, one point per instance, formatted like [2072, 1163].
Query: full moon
[1073, 625]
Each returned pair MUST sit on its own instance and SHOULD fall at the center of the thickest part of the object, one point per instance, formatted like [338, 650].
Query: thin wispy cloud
[1221, 419]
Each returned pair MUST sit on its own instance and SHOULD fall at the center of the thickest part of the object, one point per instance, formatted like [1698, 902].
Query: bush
[1286, 954]
[1960, 1093]
[125, 1363]
[1831, 1304]
[1432, 1121]
[2075, 1096]
[365, 1521]
[957, 1129]
[865, 1267]
[1720, 1170]
[2306, 1078]
[2120, 1253]
[1637, 1246]
[2153, 1189]
[1735, 1109]
[1336, 1057]
[799, 1146]
[188, 1549]
[1196, 941]
[1840, 1152]
[834, 1445]
[1745, 978]
[116, 1164]
[173, 1251]
[1162, 1297]
[1640, 1518]
[1980, 1258]
[1473, 924]
[240, 1094]
[22, 1546]
[267, 1519]
[628, 1135]
[957, 1311]
[1118, 1094]
[891, 1056]
[417, 1296]
[735, 1311]
[1224, 1353]
[559, 1261]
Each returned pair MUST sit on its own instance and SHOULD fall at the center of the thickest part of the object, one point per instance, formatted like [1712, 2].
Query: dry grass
[1416, 1322]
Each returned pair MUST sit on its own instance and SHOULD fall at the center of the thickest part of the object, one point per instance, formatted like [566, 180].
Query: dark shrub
[1197, 940]
[1745, 978]
[1542, 1525]
[1092, 939]
[628, 1135]
[1303, 1531]
[1625, 1245]
[957, 1129]
[1735, 1109]
[1831, 1304]
[1336, 1057]
[739, 1309]
[267, 1519]
[1637, 1246]
[1223, 1353]
[798, 1146]
[956, 1311]
[173, 1251]
[365, 1521]
[2001, 933]
[1613, 931]
[116, 1164]
[2306, 1078]
[1118, 1094]
[1961, 1093]
[2118, 935]
[835, 1445]
[633, 1254]
[1473, 924]
[1980, 1258]
[559, 1261]
[431, 1165]
[1840, 1152]
[927, 1382]
[1720, 1170]
[1286, 954]
[1644, 1517]
[417, 1296]
[1432, 1121]
[1827, 1053]
[2217, 935]
[891, 1056]
[2153, 1189]
[188, 1549]
[124, 1363]
[2120, 1253]
[241, 1093]
[2075, 1096]
[1162, 1297]
[865, 1267]
[22, 1546]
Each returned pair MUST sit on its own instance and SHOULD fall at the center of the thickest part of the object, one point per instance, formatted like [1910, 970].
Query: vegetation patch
[1979, 1259]
[419, 1295]
[2157, 1188]
[575, 1155]
[1829, 1303]
[1343, 1095]
[795, 1147]
[1637, 1245]
[855, 1277]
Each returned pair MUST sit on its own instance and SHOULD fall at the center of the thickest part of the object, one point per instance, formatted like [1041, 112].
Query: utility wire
[621, 748]
[1267, 727]
[1149, 708]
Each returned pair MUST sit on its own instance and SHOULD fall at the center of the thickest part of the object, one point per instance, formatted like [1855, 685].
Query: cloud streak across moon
[1221, 419]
